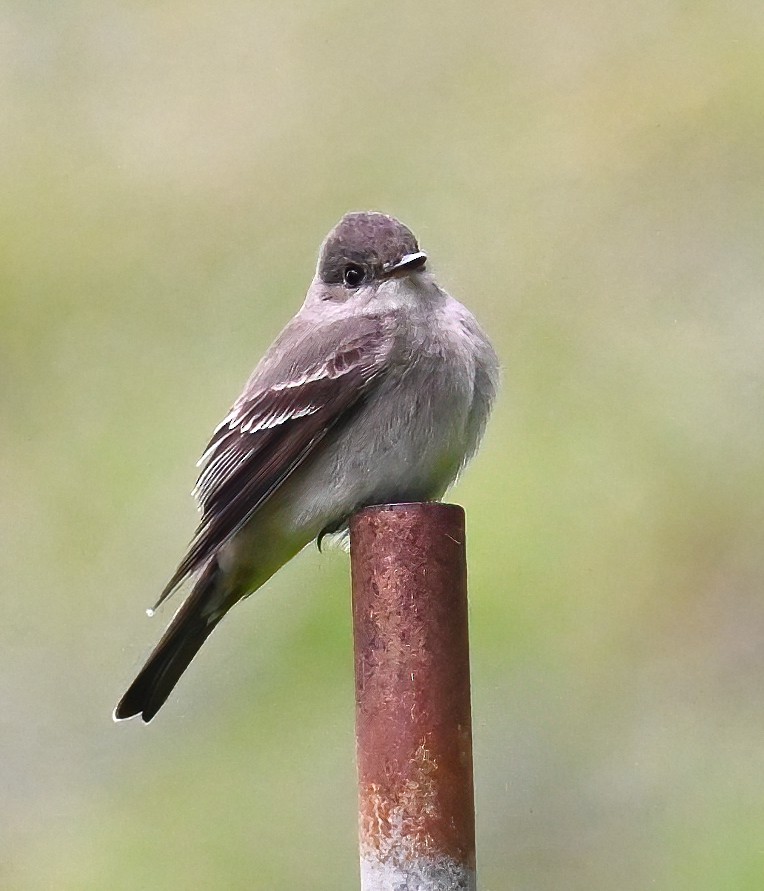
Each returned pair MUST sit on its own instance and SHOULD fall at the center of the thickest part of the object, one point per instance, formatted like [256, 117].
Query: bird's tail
[190, 627]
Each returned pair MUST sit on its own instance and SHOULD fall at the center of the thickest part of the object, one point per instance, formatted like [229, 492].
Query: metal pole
[413, 722]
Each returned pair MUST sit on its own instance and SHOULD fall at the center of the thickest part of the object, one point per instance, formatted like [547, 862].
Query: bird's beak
[407, 261]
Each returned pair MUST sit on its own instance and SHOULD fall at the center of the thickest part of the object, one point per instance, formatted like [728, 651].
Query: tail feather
[190, 627]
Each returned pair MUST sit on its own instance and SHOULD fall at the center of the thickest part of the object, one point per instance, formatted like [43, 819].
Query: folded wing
[273, 427]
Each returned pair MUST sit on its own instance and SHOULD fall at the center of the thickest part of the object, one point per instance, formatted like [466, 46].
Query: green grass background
[589, 178]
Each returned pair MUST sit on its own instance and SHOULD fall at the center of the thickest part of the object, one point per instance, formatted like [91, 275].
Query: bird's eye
[353, 275]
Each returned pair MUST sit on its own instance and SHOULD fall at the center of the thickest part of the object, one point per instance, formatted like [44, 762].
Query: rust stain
[413, 722]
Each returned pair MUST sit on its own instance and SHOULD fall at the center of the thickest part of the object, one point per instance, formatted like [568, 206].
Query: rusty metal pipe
[413, 721]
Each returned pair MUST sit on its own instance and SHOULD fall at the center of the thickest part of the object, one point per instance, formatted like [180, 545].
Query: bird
[377, 391]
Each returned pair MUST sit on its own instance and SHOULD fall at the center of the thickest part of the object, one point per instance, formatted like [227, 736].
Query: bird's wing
[273, 427]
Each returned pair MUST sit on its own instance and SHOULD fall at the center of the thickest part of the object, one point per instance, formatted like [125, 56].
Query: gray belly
[406, 444]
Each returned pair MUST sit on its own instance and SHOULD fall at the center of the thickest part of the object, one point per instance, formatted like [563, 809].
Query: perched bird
[377, 391]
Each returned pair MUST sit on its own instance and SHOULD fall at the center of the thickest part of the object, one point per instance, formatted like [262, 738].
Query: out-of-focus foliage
[588, 177]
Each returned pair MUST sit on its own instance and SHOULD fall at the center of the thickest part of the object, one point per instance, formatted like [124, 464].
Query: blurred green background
[588, 178]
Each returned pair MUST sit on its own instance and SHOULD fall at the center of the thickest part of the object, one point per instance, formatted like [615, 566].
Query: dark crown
[372, 240]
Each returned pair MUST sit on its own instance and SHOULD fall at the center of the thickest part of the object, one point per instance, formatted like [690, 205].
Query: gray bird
[377, 391]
